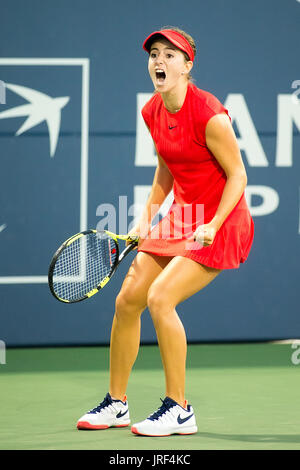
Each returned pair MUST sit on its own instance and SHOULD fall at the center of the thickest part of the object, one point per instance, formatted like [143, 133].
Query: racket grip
[133, 238]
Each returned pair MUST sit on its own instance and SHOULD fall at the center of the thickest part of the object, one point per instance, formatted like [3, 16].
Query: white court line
[23, 279]
[81, 277]
[85, 64]
[84, 144]
[285, 341]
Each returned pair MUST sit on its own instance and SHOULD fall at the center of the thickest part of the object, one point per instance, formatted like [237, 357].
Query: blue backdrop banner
[75, 153]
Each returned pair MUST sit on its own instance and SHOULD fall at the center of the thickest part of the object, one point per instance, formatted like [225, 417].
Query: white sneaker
[170, 418]
[107, 414]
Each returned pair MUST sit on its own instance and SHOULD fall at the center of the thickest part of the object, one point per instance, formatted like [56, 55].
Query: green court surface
[245, 396]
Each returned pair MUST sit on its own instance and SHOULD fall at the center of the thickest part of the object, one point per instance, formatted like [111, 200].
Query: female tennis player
[199, 158]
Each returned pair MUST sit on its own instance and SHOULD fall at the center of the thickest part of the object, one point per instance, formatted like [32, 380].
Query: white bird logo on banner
[41, 107]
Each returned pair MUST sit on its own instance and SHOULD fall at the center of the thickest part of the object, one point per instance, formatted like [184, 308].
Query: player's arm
[221, 141]
[161, 187]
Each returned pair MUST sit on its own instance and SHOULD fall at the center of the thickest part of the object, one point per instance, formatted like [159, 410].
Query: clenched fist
[205, 234]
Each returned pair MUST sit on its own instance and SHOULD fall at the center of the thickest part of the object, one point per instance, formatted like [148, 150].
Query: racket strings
[82, 265]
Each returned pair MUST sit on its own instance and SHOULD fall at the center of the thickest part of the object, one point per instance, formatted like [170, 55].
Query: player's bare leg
[180, 279]
[130, 303]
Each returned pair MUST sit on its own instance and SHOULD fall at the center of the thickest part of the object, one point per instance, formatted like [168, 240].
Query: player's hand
[134, 232]
[205, 234]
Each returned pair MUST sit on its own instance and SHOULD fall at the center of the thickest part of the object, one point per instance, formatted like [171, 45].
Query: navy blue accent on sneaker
[106, 402]
[167, 403]
[183, 420]
[120, 414]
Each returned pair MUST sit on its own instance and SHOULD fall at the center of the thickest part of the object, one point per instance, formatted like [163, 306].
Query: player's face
[166, 65]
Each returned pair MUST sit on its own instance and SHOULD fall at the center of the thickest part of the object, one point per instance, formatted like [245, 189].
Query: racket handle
[127, 250]
[133, 238]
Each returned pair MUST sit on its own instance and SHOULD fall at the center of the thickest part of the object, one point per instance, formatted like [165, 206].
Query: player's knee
[157, 302]
[127, 305]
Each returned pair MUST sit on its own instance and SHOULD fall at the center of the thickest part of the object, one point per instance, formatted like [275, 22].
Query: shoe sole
[87, 425]
[135, 431]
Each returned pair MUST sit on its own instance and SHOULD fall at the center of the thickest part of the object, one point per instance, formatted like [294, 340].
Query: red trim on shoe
[135, 431]
[87, 425]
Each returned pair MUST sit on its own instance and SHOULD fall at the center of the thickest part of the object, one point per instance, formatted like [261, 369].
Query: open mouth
[160, 76]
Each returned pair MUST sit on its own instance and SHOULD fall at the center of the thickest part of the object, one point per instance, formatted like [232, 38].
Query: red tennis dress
[198, 185]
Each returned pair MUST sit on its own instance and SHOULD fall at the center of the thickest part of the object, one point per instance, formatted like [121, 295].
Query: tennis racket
[85, 263]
